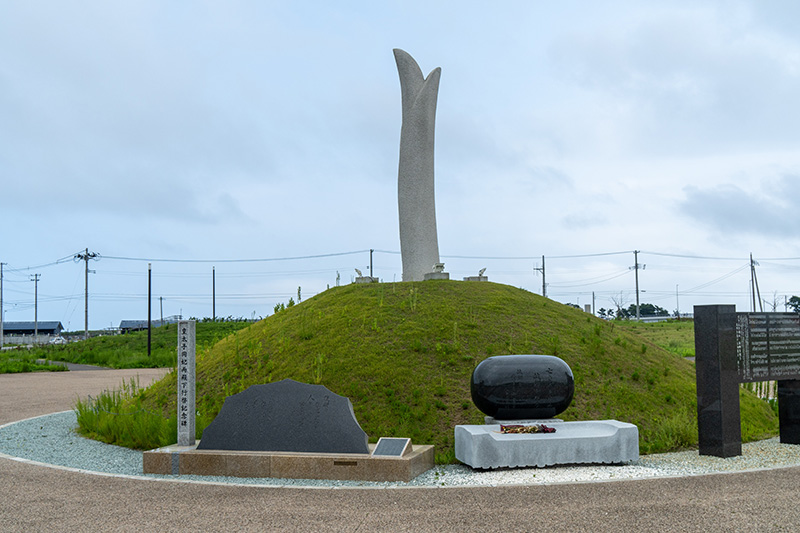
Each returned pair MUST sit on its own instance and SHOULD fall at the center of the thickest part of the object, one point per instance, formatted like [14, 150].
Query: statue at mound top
[419, 245]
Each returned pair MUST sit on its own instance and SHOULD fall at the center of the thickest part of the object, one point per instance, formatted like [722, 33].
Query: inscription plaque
[767, 346]
[392, 446]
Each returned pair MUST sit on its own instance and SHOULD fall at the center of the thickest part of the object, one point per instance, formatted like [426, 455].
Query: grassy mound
[404, 353]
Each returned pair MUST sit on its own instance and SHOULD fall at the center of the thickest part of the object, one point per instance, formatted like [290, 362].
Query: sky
[249, 149]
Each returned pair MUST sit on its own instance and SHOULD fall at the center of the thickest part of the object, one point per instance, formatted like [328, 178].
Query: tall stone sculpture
[419, 245]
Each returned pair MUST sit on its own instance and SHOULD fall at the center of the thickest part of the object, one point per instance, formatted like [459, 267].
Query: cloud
[680, 82]
[771, 210]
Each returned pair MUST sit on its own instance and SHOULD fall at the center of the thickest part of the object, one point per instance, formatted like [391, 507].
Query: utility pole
[161, 306]
[213, 294]
[35, 279]
[754, 284]
[1, 305]
[149, 301]
[636, 267]
[370, 262]
[677, 303]
[85, 256]
[544, 285]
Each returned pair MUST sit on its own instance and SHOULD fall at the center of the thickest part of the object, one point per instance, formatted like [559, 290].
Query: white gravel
[51, 440]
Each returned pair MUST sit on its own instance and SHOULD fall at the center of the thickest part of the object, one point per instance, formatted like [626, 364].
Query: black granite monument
[733, 348]
[286, 416]
[517, 387]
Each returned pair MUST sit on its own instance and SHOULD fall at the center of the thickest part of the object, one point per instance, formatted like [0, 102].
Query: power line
[264, 260]
[527, 258]
[64, 259]
[685, 256]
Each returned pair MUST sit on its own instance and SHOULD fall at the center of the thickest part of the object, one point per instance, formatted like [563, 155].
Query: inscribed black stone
[391, 446]
[516, 387]
[286, 416]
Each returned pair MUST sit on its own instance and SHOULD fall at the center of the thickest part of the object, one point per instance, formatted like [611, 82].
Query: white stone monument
[419, 245]
[186, 382]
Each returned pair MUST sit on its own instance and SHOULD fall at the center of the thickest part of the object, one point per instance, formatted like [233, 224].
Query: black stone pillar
[718, 421]
[789, 410]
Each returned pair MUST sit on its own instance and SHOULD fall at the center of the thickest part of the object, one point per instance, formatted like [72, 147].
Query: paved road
[34, 498]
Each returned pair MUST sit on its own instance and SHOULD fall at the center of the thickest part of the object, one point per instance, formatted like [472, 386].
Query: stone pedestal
[187, 460]
[437, 275]
[366, 279]
[597, 441]
[476, 278]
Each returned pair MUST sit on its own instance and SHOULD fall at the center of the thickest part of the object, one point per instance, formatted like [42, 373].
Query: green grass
[676, 336]
[19, 360]
[130, 350]
[404, 353]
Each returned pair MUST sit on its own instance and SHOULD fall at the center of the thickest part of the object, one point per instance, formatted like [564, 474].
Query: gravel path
[51, 439]
[37, 498]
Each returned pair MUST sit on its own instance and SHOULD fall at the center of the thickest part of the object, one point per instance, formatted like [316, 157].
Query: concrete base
[476, 278]
[597, 441]
[187, 460]
[367, 279]
[437, 275]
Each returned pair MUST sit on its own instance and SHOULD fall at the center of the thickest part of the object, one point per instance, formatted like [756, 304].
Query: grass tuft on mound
[404, 353]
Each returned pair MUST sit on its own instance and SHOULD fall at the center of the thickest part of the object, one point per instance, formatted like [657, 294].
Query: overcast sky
[218, 132]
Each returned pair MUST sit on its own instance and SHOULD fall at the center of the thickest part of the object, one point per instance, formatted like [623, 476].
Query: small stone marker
[286, 416]
[186, 382]
[392, 446]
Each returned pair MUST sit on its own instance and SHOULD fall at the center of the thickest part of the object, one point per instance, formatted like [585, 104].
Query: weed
[118, 417]
[316, 365]
[413, 296]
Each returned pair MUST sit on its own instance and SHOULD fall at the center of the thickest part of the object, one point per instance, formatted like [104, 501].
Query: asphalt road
[36, 498]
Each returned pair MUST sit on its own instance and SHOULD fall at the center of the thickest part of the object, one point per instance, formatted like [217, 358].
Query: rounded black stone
[515, 387]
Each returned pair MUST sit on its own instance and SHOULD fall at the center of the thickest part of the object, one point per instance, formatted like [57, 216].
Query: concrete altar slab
[188, 460]
[595, 441]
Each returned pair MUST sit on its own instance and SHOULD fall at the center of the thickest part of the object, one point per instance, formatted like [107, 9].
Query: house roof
[133, 324]
[142, 324]
[44, 325]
